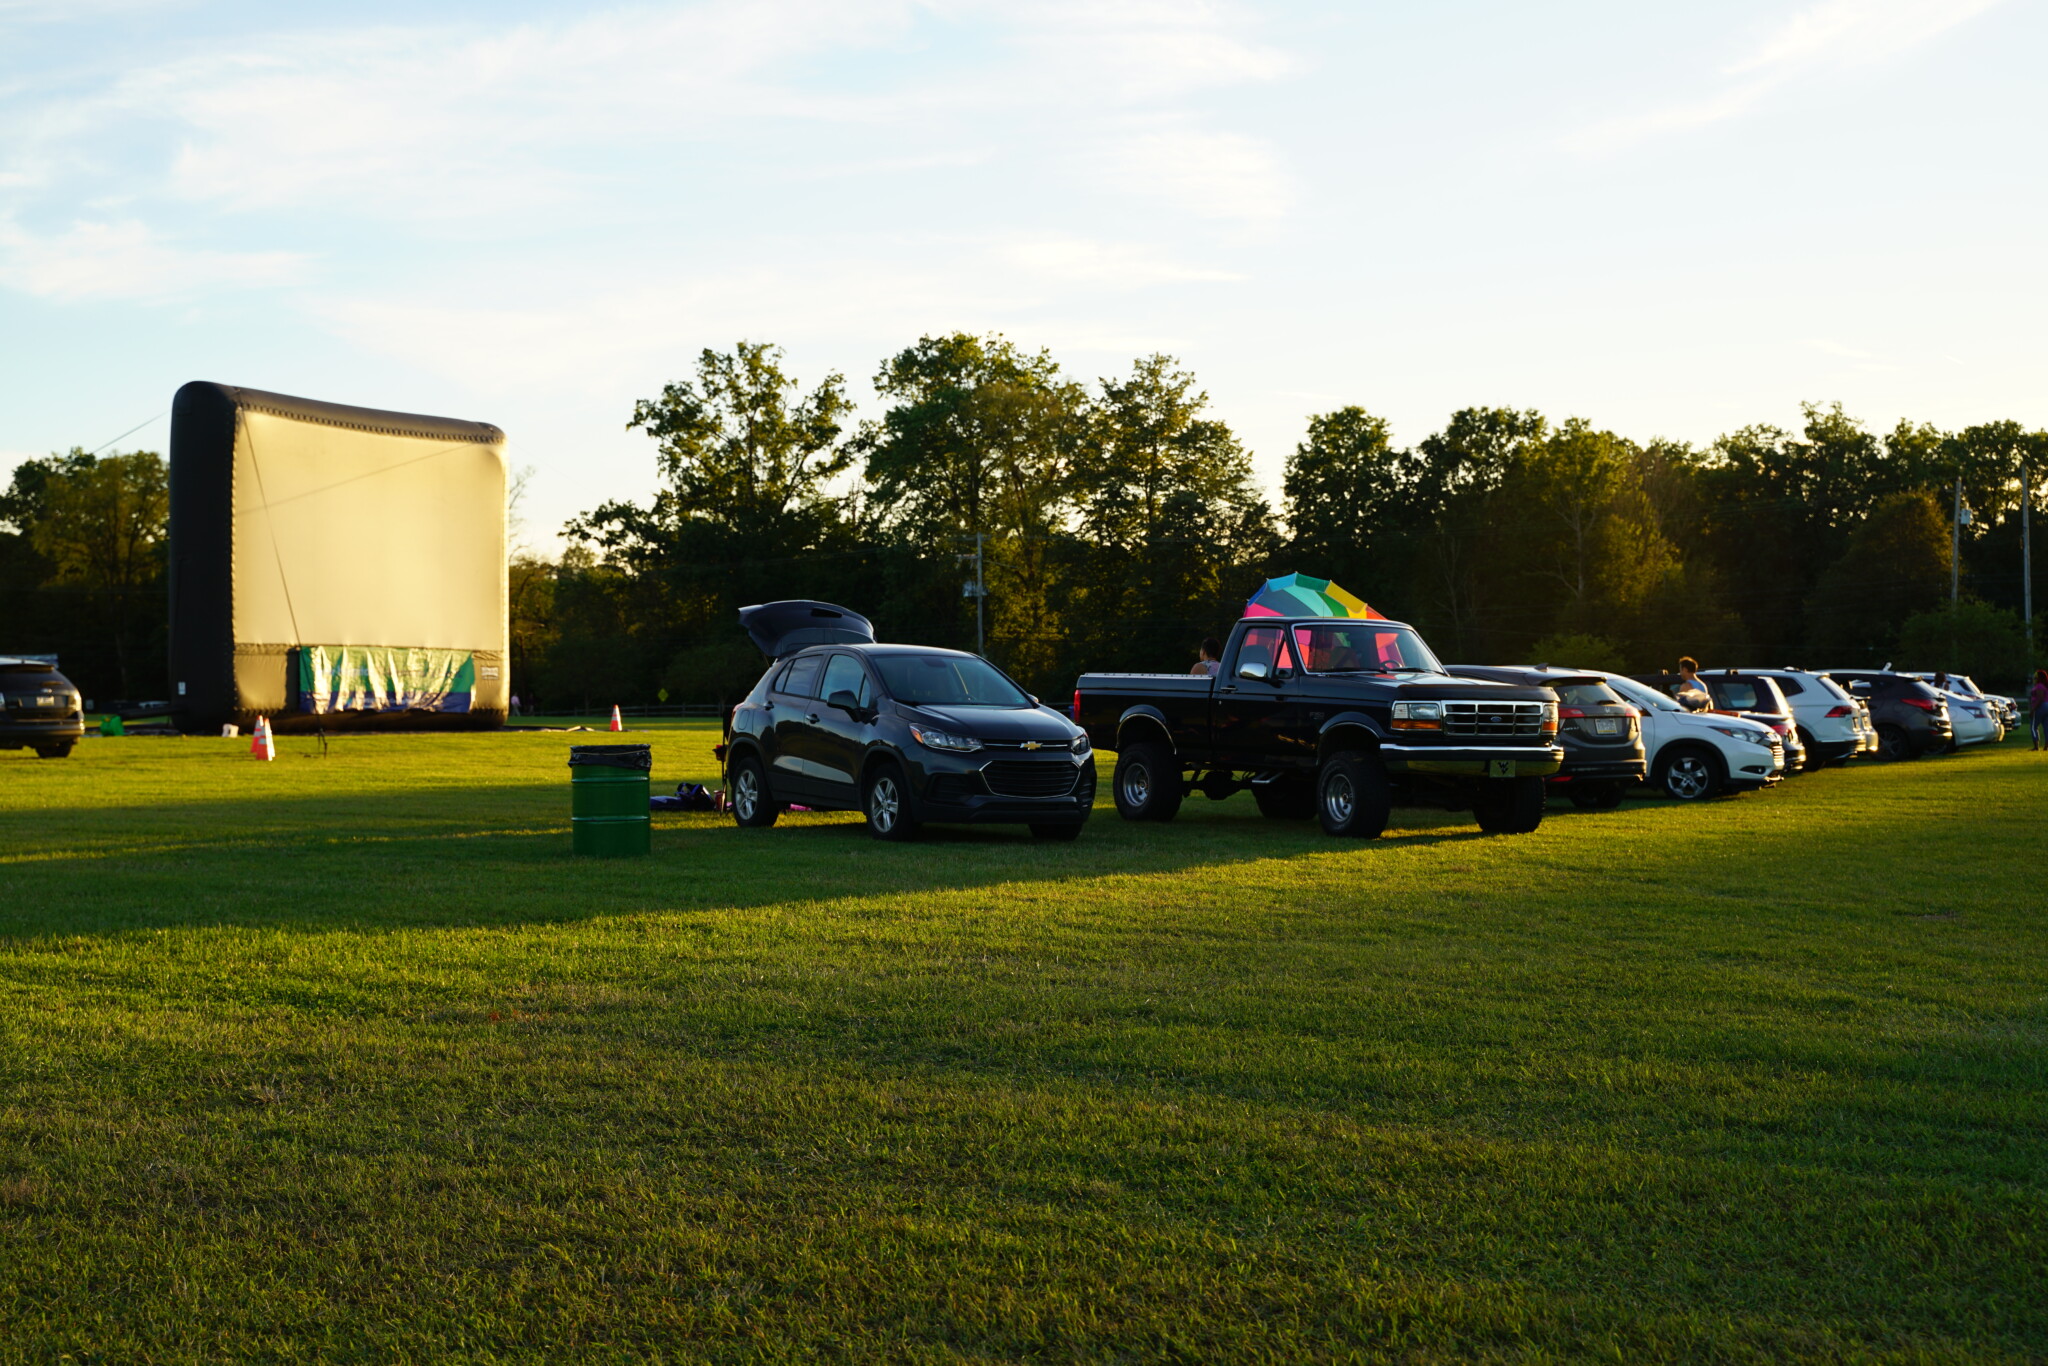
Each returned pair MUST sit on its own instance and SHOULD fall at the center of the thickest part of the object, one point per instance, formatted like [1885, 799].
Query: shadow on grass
[501, 856]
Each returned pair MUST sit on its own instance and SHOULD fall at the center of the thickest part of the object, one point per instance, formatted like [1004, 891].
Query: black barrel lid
[611, 756]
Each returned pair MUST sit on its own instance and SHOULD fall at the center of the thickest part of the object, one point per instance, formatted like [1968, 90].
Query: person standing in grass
[2037, 709]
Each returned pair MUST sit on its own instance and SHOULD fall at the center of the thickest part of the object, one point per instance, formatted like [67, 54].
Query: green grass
[344, 1058]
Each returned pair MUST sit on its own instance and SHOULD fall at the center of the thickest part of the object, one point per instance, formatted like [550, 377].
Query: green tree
[1456, 584]
[1971, 638]
[1348, 494]
[1173, 527]
[1897, 564]
[979, 439]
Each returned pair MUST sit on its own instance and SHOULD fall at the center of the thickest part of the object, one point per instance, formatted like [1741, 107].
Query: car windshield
[1363, 647]
[947, 681]
[1642, 696]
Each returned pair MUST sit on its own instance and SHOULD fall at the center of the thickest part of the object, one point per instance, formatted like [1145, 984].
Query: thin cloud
[1835, 34]
[126, 260]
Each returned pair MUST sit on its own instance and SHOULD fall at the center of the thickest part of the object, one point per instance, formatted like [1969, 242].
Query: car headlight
[1418, 716]
[1761, 738]
[939, 739]
[1080, 746]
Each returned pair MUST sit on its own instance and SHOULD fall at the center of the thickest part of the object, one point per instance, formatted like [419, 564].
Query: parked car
[1695, 755]
[1336, 718]
[1833, 726]
[905, 734]
[1601, 734]
[39, 709]
[1974, 719]
[1751, 695]
[1911, 717]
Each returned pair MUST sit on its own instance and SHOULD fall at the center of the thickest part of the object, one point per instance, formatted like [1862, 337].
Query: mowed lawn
[344, 1057]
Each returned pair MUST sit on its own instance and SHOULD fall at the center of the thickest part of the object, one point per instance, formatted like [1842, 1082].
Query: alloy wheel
[884, 804]
[746, 794]
[1688, 778]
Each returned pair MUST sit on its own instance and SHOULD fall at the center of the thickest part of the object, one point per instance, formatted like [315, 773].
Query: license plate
[1500, 768]
[1606, 727]
[46, 701]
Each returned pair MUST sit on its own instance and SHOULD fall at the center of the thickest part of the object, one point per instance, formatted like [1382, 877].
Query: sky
[1673, 220]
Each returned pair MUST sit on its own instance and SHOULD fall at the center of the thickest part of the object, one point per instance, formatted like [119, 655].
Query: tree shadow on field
[478, 856]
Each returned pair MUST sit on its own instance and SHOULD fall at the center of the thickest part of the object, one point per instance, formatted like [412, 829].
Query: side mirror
[846, 702]
[1255, 671]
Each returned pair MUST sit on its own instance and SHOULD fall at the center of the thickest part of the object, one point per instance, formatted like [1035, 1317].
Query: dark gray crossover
[904, 734]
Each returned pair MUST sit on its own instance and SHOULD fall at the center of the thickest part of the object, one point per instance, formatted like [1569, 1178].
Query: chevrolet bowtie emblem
[1033, 744]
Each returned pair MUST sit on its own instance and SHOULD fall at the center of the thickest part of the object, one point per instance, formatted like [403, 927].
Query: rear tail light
[1834, 712]
[1781, 728]
[1074, 711]
[1923, 703]
[1571, 711]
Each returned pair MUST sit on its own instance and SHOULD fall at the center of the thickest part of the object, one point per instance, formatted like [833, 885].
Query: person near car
[1211, 659]
[1688, 687]
[2037, 709]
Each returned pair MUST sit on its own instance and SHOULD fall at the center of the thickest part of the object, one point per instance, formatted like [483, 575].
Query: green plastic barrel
[608, 790]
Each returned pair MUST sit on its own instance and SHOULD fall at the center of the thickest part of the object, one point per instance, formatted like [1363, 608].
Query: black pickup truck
[1336, 718]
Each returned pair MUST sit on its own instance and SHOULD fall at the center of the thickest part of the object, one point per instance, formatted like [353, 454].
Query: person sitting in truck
[1209, 660]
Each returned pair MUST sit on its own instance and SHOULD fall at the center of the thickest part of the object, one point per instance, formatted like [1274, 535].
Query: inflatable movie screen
[334, 567]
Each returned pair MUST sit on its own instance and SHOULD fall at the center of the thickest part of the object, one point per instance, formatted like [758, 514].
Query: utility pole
[2027, 547]
[1955, 549]
[977, 589]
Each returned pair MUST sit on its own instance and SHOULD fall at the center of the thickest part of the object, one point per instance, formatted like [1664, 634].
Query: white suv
[1696, 755]
[1833, 726]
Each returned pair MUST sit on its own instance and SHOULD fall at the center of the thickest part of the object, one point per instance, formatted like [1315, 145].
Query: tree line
[1120, 522]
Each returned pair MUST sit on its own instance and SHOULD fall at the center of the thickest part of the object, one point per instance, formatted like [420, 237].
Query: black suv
[904, 734]
[39, 709]
[1911, 716]
[1601, 735]
[1755, 696]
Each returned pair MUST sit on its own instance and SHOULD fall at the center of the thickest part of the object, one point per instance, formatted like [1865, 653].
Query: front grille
[1493, 720]
[1021, 778]
[950, 787]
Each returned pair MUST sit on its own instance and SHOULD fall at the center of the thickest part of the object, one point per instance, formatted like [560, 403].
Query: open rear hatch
[781, 628]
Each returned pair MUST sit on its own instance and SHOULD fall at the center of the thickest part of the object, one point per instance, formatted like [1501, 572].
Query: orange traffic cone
[261, 745]
[616, 724]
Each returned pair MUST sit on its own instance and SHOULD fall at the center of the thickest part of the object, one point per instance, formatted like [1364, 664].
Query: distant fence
[711, 709]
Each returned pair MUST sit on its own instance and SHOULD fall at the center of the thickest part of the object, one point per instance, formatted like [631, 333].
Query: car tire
[1595, 796]
[747, 782]
[1894, 744]
[885, 800]
[1511, 806]
[1353, 796]
[1287, 800]
[1146, 783]
[1814, 763]
[1064, 831]
[54, 751]
[1690, 773]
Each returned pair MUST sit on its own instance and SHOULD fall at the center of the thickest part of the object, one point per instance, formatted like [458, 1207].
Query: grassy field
[344, 1058]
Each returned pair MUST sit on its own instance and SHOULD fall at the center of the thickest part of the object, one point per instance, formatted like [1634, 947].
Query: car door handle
[1228, 687]
[811, 716]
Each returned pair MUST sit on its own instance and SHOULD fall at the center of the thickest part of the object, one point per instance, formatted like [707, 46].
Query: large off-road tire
[1063, 831]
[1894, 744]
[56, 751]
[1689, 773]
[1511, 806]
[1595, 796]
[747, 784]
[885, 797]
[1353, 796]
[1290, 799]
[1147, 784]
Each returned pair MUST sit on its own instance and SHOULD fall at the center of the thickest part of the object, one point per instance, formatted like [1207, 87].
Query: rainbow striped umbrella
[1298, 595]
